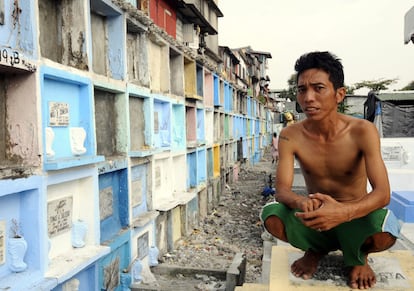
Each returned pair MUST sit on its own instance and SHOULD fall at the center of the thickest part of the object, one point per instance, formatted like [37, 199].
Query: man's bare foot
[306, 266]
[362, 277]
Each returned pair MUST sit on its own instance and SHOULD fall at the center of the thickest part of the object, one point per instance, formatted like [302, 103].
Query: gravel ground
[233, 227]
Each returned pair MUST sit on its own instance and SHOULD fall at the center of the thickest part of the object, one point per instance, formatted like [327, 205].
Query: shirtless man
[338, 155]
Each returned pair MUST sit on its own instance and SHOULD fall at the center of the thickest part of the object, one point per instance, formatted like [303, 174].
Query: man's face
[316, 94]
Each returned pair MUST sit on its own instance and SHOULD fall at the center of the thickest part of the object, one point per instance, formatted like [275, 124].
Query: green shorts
[347, 237]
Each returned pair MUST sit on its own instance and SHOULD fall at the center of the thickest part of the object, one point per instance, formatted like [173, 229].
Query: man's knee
[275, 227]
[379, 242]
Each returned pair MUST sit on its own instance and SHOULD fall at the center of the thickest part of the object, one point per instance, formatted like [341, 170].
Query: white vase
[50, 136]
[153, 256]
[77, 139]
[137, 271]
[17, 248]
[79, 229]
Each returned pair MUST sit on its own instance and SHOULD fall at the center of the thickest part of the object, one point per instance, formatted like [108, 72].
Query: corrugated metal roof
[395, 96]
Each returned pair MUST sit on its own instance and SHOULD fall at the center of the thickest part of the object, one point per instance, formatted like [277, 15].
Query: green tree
[410, 86]
[375, 85]
[350, 90]
[291, 91]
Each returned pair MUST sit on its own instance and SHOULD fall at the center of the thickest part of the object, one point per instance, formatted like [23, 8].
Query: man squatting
[338, 155]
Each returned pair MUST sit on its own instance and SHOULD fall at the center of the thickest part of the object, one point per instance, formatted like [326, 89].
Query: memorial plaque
[157, 176]
[58, 114]
[106, 203]
[136, 192]
[391, 153]
[2, 242]
[142, 246]
[156, 123]
[59, 216]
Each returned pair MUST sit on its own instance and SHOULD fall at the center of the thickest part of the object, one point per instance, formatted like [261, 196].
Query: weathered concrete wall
[203, 203]
[105, 118]
[99, 44]
[49, 32]
[191, 117]
[190, 82]
[74, 34]
[137, 123]
[137, 59]
[190, 218]
[161, 229]
[159, 67]
[175, 231]
[23, 142]
[176, 73]
[18, 30]
[179, 175]
[62, 32]
[162, 183]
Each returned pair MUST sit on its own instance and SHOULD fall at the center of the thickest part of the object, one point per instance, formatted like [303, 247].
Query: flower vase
[17, 250]
[153, 256]
[136, 271]
[125, 280]
[79, 229]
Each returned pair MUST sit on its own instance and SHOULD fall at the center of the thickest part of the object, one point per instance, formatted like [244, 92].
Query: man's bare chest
[329, 160]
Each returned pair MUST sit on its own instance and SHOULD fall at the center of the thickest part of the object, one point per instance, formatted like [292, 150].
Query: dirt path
[234, 227]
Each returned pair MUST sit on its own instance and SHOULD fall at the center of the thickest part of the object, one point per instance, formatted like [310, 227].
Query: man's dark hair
[325, 61]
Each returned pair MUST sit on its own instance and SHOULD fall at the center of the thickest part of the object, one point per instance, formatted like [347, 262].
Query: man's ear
[340, 94]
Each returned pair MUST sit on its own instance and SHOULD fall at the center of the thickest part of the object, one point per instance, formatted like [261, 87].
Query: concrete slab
[394, 269]
[252, 287]
[407, 231]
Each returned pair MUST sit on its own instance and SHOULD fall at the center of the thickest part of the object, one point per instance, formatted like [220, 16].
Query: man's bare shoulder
[360, 126]
[290, 132]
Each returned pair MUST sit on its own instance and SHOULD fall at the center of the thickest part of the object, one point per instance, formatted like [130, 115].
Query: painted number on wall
[13, 58]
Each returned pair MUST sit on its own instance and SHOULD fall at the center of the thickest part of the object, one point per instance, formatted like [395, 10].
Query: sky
[367, 35]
